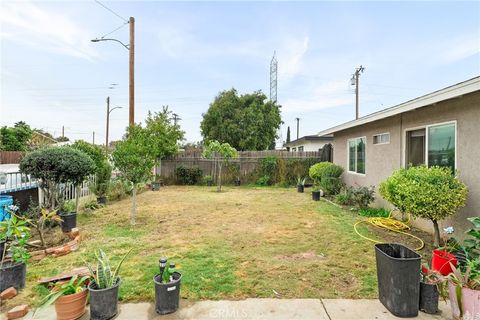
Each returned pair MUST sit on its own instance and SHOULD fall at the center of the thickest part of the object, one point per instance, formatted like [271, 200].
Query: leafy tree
[62, 139]
[135, 156]
[222, 151]
[55, 165]
[95, 153]
[246, 122]
[15, 138]
[288, 134]
[432, 193]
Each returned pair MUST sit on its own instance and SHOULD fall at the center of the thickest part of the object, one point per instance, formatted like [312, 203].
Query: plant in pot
[70, 298]
[316, 193]
[167, 288]
[15, 233]
[156, 183]
[68, 216]
[431, 286]
[102, 182]
[442, 257]
[300, 184]
[104, 287]
[208, 180]
[464, 290]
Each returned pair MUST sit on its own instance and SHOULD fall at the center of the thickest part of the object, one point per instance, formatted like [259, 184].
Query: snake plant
[105, 275]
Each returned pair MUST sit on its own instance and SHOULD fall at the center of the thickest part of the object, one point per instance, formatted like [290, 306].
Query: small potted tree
[104, 287]
[167, 288]
[68, 215]
[70, 298]
[208, 180]
[102, 182]
[430, 288]
[13, 271]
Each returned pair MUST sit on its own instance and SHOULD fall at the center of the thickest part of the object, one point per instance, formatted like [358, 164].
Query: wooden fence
[246, 162]
[10, 156]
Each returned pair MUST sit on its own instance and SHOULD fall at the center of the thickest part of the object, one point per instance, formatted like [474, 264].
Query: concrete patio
[262, 309]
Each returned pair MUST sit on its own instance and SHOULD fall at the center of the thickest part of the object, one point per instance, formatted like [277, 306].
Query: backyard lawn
[243, 242]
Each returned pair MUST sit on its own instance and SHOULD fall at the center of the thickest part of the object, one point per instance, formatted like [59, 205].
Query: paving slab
[260, 309]
[373, 309]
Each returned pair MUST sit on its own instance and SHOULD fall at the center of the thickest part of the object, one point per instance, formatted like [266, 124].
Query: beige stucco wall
[382, 159]
[309, 145]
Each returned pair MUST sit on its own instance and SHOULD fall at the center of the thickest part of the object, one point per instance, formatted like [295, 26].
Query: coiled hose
[390, 224]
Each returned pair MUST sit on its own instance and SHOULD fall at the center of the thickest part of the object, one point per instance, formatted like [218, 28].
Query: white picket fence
[68, 190]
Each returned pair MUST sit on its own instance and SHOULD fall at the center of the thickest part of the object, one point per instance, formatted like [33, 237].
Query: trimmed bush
[330, 180]
[188, 176]
[316, 171]
[433, 193]
[362, 196]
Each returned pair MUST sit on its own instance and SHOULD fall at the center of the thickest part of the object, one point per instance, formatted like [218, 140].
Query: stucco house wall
[382, 159]
[309, 145]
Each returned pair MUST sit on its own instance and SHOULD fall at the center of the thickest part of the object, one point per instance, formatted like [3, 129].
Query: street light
[131, 85]
[108, 123]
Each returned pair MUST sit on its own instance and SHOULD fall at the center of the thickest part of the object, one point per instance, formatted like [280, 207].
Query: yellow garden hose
[390, 224]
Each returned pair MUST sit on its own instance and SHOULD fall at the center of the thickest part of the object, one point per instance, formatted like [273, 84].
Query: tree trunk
[77, 197]
[134, 205]
[219, 188]
[436, 241]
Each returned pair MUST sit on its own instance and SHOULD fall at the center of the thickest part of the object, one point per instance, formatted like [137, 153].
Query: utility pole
[108, 123]
[131, 84]
[93, 138]
[63, 131]
[298, 126]
[176, 118]
[355, 81]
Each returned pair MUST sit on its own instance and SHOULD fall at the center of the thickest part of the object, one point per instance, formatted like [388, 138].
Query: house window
[294, 149]
[441, 145]
[383, 138]
[433, 145]
[356, 155]
[300, 148]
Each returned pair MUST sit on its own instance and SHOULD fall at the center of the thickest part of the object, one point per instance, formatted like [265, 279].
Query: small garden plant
[222, 152]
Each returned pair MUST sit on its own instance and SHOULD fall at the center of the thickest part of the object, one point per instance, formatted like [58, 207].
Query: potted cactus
[104, 287]
[300, 184]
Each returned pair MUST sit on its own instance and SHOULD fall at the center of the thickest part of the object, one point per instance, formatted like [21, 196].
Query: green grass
[242, 242]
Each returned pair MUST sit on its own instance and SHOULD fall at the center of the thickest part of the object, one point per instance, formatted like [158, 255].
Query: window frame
[380, 134]
[348, 156]
[426, 127]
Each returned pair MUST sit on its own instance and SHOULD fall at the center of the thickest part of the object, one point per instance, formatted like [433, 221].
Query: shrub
[263, 181]
[432, 193]
[344, 197]
[119, 189]
[316, 171]
[362, 196]
[330, 180]
[374, 212]
[104, 174]
[267, 167]
[188, 176]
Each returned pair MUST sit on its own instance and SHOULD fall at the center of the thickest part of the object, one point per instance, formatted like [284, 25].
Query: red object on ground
[8, 293]
[17, 312]
[441, 261]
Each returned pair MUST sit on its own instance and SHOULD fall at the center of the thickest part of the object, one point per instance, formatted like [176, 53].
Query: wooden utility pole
[108, 123]
[298, 126]
[131, 84]
[63, 131]
[93, 138]
[355, 81]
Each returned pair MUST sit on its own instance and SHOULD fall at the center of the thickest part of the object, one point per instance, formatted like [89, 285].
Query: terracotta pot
[71, 307]
[441, 261]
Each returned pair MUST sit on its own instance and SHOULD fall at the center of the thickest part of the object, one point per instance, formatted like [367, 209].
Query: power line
[116, 29]
[107, 8]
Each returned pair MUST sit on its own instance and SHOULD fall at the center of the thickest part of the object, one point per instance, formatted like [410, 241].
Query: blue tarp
[5, 201]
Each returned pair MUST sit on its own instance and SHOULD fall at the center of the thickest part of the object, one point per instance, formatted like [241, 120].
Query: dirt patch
[302, 256]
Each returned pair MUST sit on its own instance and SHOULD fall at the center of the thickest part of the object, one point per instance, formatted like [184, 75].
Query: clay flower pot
[72, 306]
[470, 302]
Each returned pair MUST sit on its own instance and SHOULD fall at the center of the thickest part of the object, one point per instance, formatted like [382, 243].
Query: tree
[15, 138]
[135, 157]
[221, 151]
[55, 165]
[95, 153]
[432, 193]
[288, 134]
[246, 122]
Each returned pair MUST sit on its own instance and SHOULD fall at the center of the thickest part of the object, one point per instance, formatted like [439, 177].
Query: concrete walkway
[263, 309]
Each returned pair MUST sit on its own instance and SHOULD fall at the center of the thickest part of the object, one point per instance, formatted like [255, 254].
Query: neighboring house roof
[313, 138]
[457, 90]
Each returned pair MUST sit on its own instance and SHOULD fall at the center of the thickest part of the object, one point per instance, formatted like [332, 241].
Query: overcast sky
[186, 52]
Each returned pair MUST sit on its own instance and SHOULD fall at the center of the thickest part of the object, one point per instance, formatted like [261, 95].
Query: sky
[52, 75]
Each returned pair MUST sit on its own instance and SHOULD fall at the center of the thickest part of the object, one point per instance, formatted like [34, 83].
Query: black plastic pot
[428, 298]
[398, 270]
[237, 182]
[3, 243]
[155, 186]
[316, 195]
[103, 302]
[12, 275]
[102, 200]
[167, 295]
[300, 188]
[69, 221]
